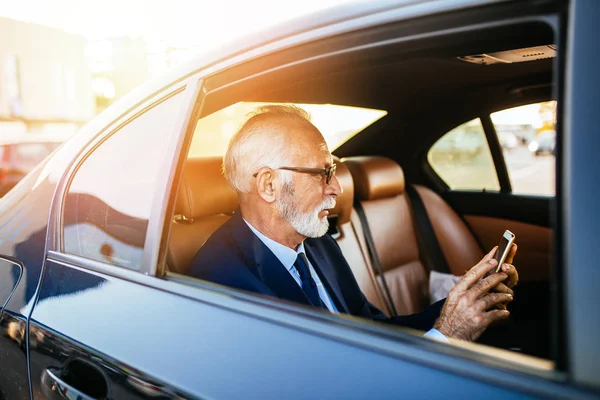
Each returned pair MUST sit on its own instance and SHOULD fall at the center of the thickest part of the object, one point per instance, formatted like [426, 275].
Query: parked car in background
[544, 143]
[508, 140]
[19, 154]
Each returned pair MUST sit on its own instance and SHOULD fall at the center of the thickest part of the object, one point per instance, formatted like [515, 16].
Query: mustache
[327, 203]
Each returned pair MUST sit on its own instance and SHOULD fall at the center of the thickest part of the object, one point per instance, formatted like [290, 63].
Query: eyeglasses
[329, 173]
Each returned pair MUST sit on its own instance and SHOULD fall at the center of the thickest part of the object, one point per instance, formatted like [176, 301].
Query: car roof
[347, 17]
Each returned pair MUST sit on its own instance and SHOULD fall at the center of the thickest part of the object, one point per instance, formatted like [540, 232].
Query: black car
[96, 241]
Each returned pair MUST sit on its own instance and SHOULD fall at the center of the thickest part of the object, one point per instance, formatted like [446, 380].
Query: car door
[102, 328]
[103, 217]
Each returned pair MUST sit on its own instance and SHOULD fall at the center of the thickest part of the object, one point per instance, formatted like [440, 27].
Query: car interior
[428, 85]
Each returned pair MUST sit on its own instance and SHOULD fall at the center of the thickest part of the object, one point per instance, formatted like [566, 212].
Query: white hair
[259, 143]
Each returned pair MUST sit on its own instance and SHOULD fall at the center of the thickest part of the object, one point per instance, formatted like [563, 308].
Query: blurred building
[118, 65]
[44, 79]
[163, 57]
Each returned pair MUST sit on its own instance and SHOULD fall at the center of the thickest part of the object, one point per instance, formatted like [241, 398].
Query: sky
[198, 25]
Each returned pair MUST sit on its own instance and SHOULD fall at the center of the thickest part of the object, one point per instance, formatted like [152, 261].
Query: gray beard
[307, 224]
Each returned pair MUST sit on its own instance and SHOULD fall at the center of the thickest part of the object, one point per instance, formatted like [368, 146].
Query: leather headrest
[375, 177]
[204, 190]
[343, 204]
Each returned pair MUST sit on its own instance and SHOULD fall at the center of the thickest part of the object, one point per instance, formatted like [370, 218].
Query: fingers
[511, 254]
[496, 315]
[502, 288]
[490, 255]
[493, 299]
[513, 275]
[484, 285]
[476, 273]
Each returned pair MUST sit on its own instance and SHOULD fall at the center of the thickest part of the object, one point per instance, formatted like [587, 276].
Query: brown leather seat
[351, 239]
[204, 202]
[379, 186]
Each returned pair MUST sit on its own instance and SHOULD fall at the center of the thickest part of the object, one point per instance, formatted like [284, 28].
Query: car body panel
[23, 221]
[196, 351]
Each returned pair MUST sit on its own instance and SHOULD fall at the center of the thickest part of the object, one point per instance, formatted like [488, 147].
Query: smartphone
[503, 248]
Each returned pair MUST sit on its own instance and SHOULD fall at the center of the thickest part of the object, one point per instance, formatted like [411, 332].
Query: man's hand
[469, 307]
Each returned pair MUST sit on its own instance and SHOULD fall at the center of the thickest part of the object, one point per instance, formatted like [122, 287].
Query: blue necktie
[308, 284]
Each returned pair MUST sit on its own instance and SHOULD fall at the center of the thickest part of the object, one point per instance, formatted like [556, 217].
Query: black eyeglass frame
[329, 172]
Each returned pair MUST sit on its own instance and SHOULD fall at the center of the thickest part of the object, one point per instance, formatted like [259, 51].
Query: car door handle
[55, 388]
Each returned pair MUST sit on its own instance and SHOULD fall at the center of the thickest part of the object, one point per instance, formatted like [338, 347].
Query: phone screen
[503, 248]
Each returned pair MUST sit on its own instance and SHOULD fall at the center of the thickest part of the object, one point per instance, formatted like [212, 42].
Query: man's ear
[265, 181]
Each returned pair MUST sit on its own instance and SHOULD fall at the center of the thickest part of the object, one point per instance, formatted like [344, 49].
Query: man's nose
[334, 188]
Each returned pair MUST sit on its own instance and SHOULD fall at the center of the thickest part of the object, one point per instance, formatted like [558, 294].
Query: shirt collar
[283, 253]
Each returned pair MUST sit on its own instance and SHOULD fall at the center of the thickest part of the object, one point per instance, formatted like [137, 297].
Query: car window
[463, 160]
[109, 200]
[528, 137]
[337, 123]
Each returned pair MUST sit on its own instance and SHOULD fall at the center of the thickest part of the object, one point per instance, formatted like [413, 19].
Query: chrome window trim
[165, 180]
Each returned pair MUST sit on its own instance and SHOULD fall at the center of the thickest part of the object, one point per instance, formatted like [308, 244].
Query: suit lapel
[326, 272]
[264, 264]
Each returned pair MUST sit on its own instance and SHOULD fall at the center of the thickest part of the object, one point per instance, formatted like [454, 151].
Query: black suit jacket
[234, 256]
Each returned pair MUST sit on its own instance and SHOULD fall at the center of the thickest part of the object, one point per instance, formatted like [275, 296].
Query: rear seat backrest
[379, 186]
[456, 240]
[381, 178]
[204, 202]
[351, 239]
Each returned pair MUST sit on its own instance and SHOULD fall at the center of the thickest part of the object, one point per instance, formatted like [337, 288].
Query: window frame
[496, 150]
[56, 237]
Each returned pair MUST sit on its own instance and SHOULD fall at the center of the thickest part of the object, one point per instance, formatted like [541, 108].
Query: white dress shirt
[287, 257]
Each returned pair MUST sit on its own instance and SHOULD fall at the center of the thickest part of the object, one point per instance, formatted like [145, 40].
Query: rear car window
[109, 201]
[463, 160]
[527, 137]
[337, 123]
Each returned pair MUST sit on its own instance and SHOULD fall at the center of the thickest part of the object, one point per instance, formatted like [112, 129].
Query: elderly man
[276, 244]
